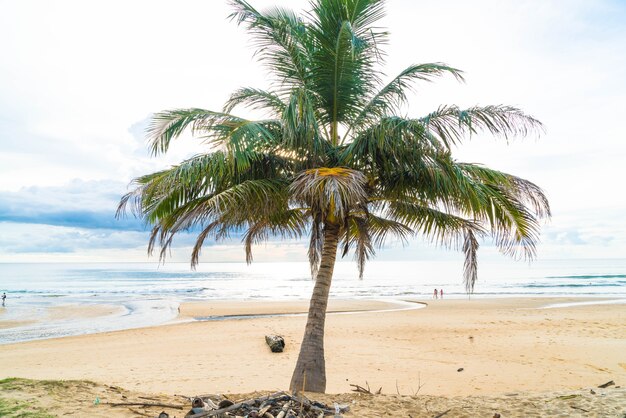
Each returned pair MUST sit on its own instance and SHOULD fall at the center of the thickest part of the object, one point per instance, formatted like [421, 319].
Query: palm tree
[334, 160]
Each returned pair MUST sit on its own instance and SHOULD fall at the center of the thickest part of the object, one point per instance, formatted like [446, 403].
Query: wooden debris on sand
[361, 389]
[607, 384]
[276, 343]
[276, 405]
[144, 404]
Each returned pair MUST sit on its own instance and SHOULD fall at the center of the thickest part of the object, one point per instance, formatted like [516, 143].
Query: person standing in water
[4, 298]
[440, 293]
[435, 294]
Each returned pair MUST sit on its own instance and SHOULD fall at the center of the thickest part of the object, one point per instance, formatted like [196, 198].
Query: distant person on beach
[4, 297]
[435, 294]
[440, 293]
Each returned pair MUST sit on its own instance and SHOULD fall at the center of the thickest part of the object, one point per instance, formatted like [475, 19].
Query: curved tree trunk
[310, 372]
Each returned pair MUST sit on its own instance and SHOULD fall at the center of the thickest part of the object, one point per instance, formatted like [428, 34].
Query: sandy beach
[449, 348]
[503, 345]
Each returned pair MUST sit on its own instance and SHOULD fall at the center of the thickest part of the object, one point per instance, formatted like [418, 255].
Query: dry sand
[87, 399]
[504, 346]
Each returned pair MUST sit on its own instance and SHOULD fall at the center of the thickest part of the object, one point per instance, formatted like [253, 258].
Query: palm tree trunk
[310, 372]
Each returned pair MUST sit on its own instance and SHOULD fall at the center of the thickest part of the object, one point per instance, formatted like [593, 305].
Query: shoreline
[120, 317]
[502, 345]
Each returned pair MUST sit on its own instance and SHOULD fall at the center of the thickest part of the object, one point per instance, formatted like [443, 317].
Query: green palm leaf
[451, 124]
[286, 224]
[279, 38]
[255, 99]
[393, 95]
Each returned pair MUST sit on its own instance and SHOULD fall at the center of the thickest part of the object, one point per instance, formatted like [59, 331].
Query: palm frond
[302, 131]
[244, 139]
[316, 244]
[451, 124]
[255, 99]
[512, 207]
[331, 192]
[238, 134]
[157, 194]
[287, 224]
[168, 125]
[381, 228]
[250, 202]
[470, 266]
[397, 152]
[202, 236]
[526, 191]
[246, 201]
[279, 37]
[358, 234]
[365, 231]
[442, 228]
[393, 95]
[344, 55]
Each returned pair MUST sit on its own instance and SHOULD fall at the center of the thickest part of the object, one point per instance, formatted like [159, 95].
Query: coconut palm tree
[334, 160]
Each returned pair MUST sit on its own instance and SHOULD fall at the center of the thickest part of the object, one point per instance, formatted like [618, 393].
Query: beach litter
[277, 405]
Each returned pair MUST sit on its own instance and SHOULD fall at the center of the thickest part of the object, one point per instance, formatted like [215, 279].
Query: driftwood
[276, 405]
[283, 411]
[238, 405]
[566, 397]
[148, 398]
[225, 403]
[607, 384]
[145, 405]
[210, 403]
[143, 414]
[276, 343]
[361, 389]
[579, 408]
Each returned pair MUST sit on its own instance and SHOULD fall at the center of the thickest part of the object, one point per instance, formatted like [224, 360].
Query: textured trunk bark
[310, 372]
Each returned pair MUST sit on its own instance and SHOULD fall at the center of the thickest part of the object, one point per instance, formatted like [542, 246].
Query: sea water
[144, 294]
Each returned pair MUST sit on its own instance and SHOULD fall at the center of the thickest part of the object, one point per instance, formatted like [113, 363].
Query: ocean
[149, 294]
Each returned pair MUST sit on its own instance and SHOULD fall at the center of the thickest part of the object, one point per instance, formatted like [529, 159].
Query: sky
[79, 81]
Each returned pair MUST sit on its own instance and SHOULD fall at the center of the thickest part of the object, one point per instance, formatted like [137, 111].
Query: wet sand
[58, 313]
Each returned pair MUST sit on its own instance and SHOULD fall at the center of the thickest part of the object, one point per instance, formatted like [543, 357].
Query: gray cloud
[76, 217]
[82, 204]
